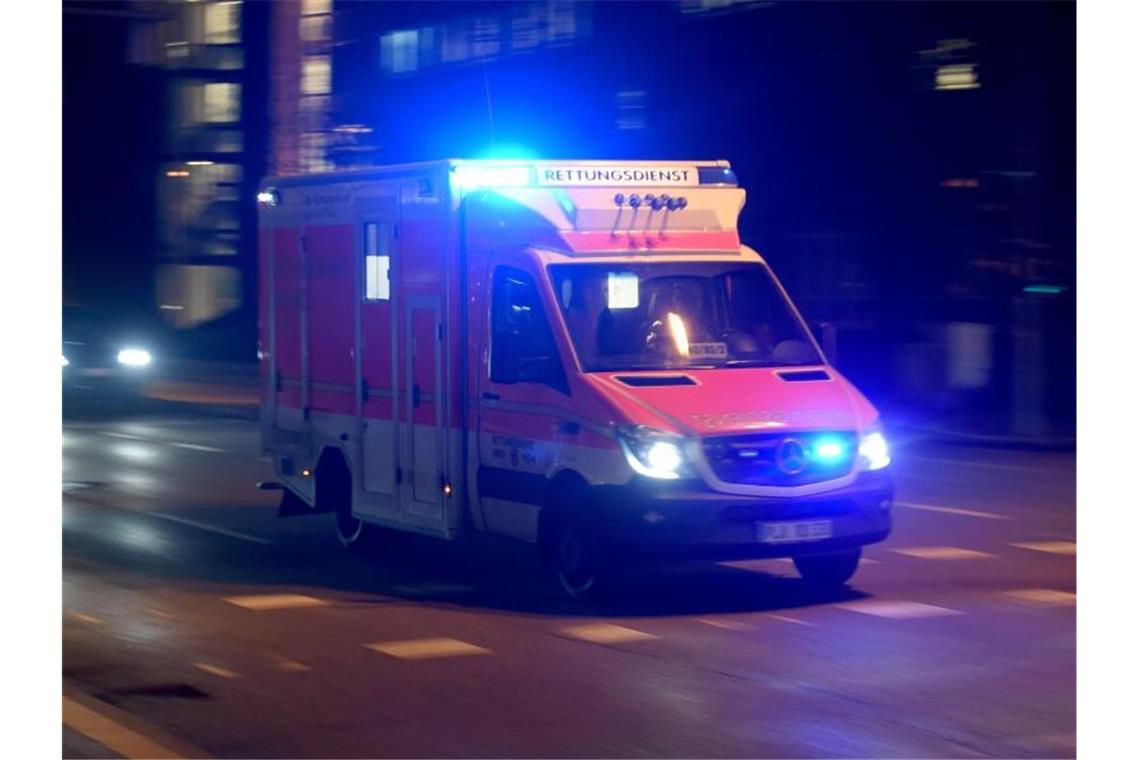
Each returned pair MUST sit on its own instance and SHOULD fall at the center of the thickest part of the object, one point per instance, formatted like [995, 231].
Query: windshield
[667, 315]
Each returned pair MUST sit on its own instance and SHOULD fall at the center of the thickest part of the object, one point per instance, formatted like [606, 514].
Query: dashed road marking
[606, 633]
[1043, 596]
[786, 619]
[216, 670]
[1052, 547]
[425, 649]
[942, 552]
[261, 602]
[84, 618]
[889, 609]
[729, 625]
[197, 447]
[951, 510]
[292, 666]
[211, 528]
[111, 734]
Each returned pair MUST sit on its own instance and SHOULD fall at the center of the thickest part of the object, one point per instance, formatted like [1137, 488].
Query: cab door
[523, 398]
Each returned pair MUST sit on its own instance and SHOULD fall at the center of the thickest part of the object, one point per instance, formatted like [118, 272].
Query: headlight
[652, 453]
[134, 357]
[873, 451]
[65, 361]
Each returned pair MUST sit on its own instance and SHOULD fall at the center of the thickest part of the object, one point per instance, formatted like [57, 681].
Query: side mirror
[829, 341]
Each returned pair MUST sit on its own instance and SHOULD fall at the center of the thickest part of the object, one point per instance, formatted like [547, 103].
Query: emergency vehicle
[577, 354]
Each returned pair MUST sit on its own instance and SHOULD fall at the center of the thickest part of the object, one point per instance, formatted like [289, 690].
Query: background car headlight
[652, 453]
[873, 451]
[134, 357]
[65, 361]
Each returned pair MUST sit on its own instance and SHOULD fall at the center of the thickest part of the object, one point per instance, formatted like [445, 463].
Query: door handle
[490, 396]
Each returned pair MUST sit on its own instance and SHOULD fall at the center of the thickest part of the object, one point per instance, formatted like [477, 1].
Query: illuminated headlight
[873, 451]
[65, 361]
[652, 453]
[134, 357]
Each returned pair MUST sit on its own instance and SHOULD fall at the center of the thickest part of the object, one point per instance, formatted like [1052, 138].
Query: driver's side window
[522, 345]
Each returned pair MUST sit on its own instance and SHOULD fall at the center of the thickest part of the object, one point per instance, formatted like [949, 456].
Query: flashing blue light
[829, 450]
[475, 177]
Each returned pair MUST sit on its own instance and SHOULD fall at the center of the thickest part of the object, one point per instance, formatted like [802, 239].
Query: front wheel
[829, 569]
[577, 557]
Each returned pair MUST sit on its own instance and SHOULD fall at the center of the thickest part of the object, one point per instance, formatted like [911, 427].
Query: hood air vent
[642, 381]
[804, 376]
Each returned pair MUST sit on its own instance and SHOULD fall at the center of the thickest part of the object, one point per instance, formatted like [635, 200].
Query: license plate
[787, 532]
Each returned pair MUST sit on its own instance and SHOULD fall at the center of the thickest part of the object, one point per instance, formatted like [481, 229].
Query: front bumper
[675, 519]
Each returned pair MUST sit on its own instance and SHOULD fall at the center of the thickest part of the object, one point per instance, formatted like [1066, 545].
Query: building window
[315, 7]
[222, 23]
[377, 261]
[221, 102]
[315, 28]
[316, 75]
[399, 51]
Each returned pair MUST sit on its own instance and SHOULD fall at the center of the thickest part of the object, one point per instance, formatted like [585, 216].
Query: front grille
[782, 459]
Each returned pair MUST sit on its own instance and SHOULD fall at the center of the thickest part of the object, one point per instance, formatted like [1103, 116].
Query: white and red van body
[560, 352]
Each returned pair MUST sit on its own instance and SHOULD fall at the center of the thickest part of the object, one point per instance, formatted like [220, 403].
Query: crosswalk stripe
[606, 633]
[942, 552]
[424, 649]
[1052, 547]
[261, 602]
[892, 609]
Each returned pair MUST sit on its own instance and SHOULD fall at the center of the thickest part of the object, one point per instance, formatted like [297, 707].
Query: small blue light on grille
[828, 450]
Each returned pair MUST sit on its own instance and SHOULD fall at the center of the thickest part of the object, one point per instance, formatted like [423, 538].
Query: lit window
[221, 102]
[376, 262]
[315, 27]
[222, 23]
[315, 7]
[316, 75]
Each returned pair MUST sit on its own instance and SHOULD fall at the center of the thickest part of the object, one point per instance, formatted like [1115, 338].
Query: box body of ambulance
[577, 354]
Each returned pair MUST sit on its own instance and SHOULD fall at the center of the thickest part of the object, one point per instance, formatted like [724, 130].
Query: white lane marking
[110, 734]
[425, 649]
[729, 625]
[990, 465]
[216, 670]
[84, 618]
[606, 633]
[786, 619]
[1052, 547]
[898, 609]
[951, 510]
[125, 436]
[260, 602]
[292, 666]
[1043, 596]
[211, 528]
[942, 552]
[197, 447]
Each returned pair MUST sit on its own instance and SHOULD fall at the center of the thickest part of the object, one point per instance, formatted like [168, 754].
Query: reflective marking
[261, 602]
[951, 510]
[215, 670]
[786, 619]
[211, 528]
[1052, 547]
[898, 609]
[1044, 596]
[606, 633]
[122, 740]
[125, 436]
[424, 649]
[731, 625]
[942, 552]
[292, 666]
[84, 618]
[197, 447]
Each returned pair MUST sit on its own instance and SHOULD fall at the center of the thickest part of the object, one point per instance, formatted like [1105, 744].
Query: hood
[710, 402]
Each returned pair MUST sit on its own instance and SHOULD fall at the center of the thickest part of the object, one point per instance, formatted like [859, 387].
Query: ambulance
[581, 355]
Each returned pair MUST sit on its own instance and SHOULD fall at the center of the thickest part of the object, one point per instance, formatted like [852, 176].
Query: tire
[577, 557]
[334, 492]
[829, 569]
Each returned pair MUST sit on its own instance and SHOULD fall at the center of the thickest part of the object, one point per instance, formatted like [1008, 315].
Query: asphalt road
[190, 607]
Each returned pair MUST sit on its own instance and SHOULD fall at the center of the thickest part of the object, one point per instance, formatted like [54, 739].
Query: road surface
[191, 610]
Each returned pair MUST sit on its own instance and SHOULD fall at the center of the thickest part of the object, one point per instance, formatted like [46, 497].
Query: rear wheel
[334, 493]
[829, 569]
